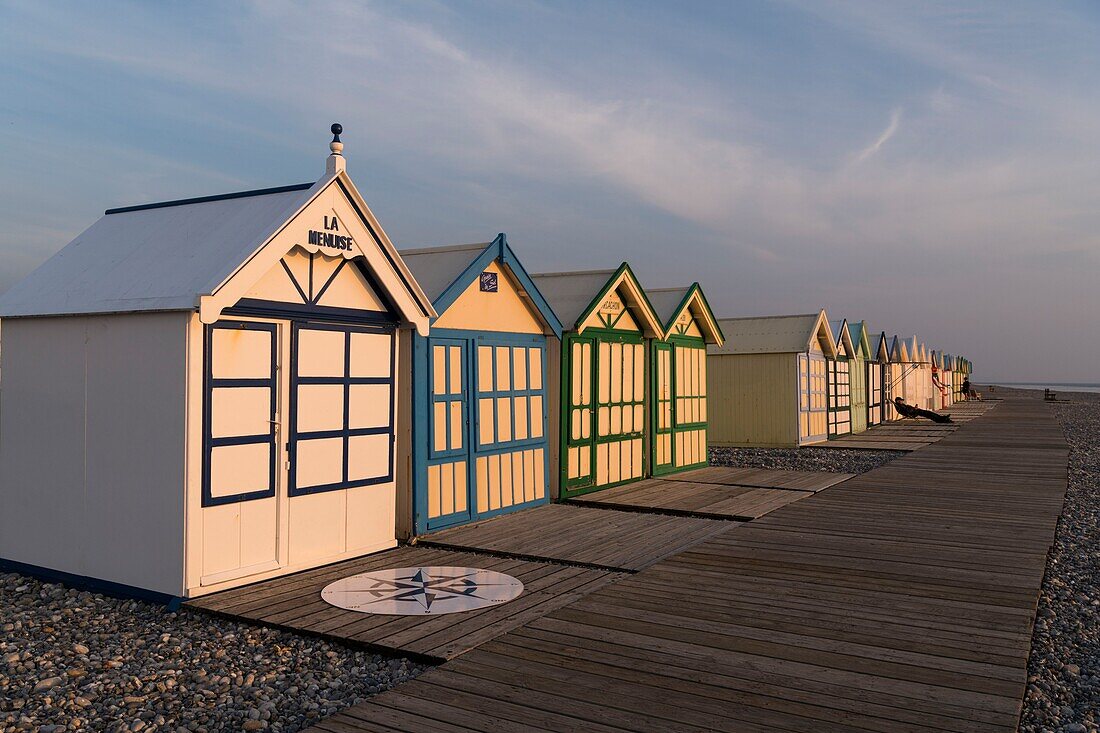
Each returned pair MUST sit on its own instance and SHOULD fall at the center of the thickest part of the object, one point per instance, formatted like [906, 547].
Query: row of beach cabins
[205, 393]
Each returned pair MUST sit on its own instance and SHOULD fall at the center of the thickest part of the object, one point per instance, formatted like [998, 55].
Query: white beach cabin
[202, 393]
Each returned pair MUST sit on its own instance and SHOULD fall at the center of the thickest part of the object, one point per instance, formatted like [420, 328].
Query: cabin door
[241, 454]
[605, 424]
[812, 398]
[840, 396]
[689, 388]
[874, 393]
[663, 458]
[487, 417]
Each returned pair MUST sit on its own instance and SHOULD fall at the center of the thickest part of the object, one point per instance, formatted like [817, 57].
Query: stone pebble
[77, 661]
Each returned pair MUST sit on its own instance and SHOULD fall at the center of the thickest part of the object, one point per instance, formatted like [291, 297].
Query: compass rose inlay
[422, 590]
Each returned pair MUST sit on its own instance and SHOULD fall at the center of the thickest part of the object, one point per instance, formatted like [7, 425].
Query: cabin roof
[436, 268]
[670, 302]
[158, 256]
[771, 334]
[573, 295]
[445, 272]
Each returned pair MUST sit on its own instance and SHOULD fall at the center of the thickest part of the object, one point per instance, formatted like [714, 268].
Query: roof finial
[336, 158]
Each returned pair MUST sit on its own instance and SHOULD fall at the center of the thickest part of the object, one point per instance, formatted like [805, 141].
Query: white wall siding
[92, 447]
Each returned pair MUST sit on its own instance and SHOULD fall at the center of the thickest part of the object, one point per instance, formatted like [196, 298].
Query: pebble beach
[79, 661]
[1063, 691]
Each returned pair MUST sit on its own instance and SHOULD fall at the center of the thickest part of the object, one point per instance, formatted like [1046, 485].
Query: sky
[928, 167]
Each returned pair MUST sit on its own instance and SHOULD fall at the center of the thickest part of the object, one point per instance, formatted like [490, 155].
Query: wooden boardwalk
[910, 434]
[585, 536]
[293, 602]
[764, 478]
[899, 600]
[693, 499]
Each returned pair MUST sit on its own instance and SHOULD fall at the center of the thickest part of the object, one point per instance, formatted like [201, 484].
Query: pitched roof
[201, 253]
[436, 268]
[670, 302]
[445, 272]
[153, 257]
[771, 334]
[573, 295]
[570, 293]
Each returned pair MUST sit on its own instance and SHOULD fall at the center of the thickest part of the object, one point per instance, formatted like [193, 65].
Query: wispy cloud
[891, 129]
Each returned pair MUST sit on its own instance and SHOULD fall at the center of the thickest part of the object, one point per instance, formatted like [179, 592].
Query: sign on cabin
[330, 237]
[611, 306]
[489, 282]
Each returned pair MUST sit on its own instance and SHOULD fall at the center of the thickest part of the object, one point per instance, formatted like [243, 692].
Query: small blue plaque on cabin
[488, 282]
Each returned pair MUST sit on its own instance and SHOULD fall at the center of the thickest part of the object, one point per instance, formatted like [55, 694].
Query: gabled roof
[841, 337]
[183, 255]
[446, 272]
[882, 348]
[897, 350]
[575, 295]
[775, 335]
[857, 331]
[669, 303]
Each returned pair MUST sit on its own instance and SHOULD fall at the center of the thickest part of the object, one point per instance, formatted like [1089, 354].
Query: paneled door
[341, 408]
[874, 393]
[840, 396]
[664, 459]
[240, 450]
[487, 417]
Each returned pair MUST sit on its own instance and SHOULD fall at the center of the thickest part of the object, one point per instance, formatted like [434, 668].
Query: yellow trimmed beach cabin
[767, 384]
[600, 408]
[679, 368]
[860, 371]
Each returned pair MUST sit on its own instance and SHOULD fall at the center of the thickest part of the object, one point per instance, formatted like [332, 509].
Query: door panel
[240, 453]
[663, 456]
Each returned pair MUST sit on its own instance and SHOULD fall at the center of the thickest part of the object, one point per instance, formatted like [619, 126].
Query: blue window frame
[346, 432]
[212, 383]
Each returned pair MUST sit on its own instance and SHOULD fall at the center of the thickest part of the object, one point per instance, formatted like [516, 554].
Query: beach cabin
[600, 409]
[941, 390]
[201, 393]
[481, 442]
[767, 384]
[878, 365]
[860, 374]
[679, 369]
[840, 381]
[911, 379]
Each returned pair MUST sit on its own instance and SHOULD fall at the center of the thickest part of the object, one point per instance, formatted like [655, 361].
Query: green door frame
[675, 427]
[584, 485]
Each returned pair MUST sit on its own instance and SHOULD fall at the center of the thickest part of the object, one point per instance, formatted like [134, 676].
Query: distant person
[907, 410]
[969, 392]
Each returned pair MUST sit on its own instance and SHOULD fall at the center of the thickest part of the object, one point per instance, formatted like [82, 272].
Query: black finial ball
[336, 128]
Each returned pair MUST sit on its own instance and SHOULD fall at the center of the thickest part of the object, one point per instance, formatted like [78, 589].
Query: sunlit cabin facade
[600, 410]
[865, 376]
[942, 396]
[768, 385]
[839, 371]
[679, 368]
[481, 438]
[878, 372]
[200, 394]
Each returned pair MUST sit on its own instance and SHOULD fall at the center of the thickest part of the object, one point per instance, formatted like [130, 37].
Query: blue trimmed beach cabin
[480, 382]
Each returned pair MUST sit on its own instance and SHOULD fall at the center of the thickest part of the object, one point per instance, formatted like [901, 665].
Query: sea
[1056, 386]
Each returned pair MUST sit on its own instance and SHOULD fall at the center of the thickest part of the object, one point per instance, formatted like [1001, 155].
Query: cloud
[891, 128]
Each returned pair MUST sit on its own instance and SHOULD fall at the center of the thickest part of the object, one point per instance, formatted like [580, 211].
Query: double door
[487, 448]
[840, 398]
[283, 449]
[604, 421]
[680, 406]
[874, 393]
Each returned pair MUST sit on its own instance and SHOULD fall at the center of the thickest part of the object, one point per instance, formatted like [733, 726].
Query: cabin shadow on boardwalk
[900, 599]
